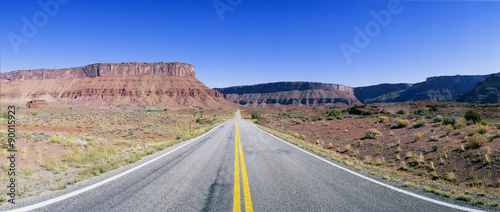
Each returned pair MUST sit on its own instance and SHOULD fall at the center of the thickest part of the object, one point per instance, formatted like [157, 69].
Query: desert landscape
[110, 115]
[250, 105]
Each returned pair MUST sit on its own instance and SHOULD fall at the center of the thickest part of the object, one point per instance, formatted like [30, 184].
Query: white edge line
[372, 180]
[88, 188]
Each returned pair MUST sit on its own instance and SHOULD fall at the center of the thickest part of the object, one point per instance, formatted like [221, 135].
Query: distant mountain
[441, 88]
[141, 84]
[485, 92]
[380, 93]
[290, 93]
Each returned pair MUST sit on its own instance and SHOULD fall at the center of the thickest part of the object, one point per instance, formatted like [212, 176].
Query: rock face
[33, 104]
[442, 88]
[290, 94]
[379, 93]
[141, 84]
[104, 69]
[485, 92]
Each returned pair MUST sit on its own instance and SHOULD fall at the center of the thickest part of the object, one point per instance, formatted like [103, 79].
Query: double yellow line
[246, 187]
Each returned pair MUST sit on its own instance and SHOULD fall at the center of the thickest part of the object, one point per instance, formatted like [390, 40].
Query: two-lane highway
[237, 166]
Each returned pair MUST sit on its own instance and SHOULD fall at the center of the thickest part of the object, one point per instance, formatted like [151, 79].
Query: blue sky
[259, 41]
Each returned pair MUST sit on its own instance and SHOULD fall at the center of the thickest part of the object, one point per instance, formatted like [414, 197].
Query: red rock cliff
[142, 84]
[104, 69]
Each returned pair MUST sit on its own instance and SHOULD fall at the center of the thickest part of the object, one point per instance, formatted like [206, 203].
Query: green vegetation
[368, 113]
[335, 113]
[401, 112]
[372, 134]
[475, 142]
[5, 114]
[383, 119]
[410, 184]
[438, 118]
[449, 120]
[283, 115]
[433, 109]
[472, 115]
[420, 123]
[418, 137]
[420, 112]
[481, 129]
[402, 123]
[464, 197]
[256, 115]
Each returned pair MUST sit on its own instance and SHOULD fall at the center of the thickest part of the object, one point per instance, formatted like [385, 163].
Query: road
[270, 175]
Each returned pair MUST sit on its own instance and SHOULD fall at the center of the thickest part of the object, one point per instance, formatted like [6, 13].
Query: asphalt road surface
[269, 174]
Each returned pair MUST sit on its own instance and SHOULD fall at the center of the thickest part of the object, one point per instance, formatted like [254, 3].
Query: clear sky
[247, 42]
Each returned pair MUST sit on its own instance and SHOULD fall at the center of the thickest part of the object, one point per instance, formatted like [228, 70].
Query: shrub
[433, 109]
[34, 113]
[476, 141]
[334, 113]
[5, 114]
[256, 115]
[401, 123]
[435, 148]
[465, 197]
[449, 120]
[460, 123]
[283, 115]
[383, 119]
[418, 137]
[438, 119]
[481, 129]
[420, 112]
[373, 133]
[448, 128]
[401, 112]
[421, 122]
[472, 115]
[368, 113]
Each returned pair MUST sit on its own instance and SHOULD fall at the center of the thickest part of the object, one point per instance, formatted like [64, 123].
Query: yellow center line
[247, 197]
[236, 198]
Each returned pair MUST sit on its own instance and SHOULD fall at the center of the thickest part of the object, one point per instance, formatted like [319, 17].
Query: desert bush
[448, 128]
[334, 113]
[40, 136]
[401, 112]
[284, 115]
[420, 123]
[472, 115]
[383, 119]
[368, 113]
[419, 112]
[5, 114]
[418, 137]
[438, 118]
[449, 120]
[373, 133]
[401, 123]
[460, 123]
[256, 115]
[433, 109]
[34, 113]
[476, 141]
[430, 115]
[481, 129]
